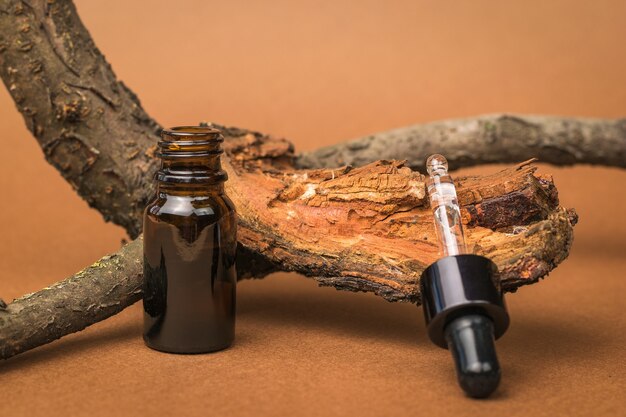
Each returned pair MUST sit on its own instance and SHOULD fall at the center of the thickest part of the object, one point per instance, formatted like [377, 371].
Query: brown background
[318, 73]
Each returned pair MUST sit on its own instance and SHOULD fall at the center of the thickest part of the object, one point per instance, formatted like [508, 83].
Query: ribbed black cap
[465, 312]
[459, 285]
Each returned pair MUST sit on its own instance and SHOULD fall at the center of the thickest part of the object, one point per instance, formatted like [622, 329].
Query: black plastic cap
[460, 285]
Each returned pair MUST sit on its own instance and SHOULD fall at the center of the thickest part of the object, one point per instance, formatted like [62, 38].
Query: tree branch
[499, 138]
[89, 296]
[90, 126]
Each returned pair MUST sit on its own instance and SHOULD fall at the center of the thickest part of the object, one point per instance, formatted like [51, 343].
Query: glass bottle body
[189, 253]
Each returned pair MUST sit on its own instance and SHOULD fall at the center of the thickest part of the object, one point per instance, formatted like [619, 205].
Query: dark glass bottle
[189, 247]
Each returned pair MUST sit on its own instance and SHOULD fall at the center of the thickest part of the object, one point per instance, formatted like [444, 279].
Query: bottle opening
[191, 133]
[190, 154]
[186, 141]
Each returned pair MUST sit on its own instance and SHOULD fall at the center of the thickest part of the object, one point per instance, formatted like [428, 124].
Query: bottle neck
[190, 160]
[165, 189]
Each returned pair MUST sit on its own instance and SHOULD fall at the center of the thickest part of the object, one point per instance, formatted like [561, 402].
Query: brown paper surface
[319, 73]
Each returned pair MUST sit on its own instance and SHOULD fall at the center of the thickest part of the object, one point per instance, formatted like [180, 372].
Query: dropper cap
[461, 295]
[465, 313]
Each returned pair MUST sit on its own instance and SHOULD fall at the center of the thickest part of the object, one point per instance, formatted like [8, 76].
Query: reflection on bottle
[155, 287]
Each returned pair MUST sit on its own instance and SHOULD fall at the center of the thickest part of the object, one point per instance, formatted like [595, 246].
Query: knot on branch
[72, 110]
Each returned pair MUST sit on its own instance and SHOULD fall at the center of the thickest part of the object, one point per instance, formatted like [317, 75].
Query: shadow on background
[288, 302]
[291, 301]
[536, 349]
[73, 344]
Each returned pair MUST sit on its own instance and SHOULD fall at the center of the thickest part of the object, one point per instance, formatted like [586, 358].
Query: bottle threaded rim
[190, 141]
[190, 154]
[192, 133]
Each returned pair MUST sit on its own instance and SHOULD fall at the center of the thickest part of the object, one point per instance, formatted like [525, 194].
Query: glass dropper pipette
[461, 299]
[445, 207]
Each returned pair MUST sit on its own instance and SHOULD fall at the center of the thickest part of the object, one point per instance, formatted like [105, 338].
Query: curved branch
[89, 296]
[498, 138]
[90, 126]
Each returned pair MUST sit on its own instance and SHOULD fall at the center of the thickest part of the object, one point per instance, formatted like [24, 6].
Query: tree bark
[90, 126]
[93, 294]
[361, 229]
[499, 138]
[370, 228]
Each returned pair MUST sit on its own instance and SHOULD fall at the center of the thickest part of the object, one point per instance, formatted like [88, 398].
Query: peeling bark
[370, 228]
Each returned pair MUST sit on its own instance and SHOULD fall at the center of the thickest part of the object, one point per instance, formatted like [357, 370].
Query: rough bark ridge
[487, 139]
[362, 229]
[90, 126]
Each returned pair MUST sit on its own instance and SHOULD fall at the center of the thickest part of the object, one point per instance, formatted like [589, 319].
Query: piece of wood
[497, 138]
[90, 126]
[89, 296]
[370, 228]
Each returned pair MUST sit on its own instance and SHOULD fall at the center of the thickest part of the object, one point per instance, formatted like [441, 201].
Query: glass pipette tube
[445, 207]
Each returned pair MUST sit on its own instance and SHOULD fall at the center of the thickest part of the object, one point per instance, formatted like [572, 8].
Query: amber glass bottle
[189, 247]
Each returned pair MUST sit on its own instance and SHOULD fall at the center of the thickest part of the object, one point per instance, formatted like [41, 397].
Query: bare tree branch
[498, 138]
[89, 296]
[89, 125]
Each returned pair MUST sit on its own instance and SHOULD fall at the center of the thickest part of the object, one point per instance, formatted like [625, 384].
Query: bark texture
[93, 294]
[499, 138]
[370, 228]
[361, 229]
[90, 126]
